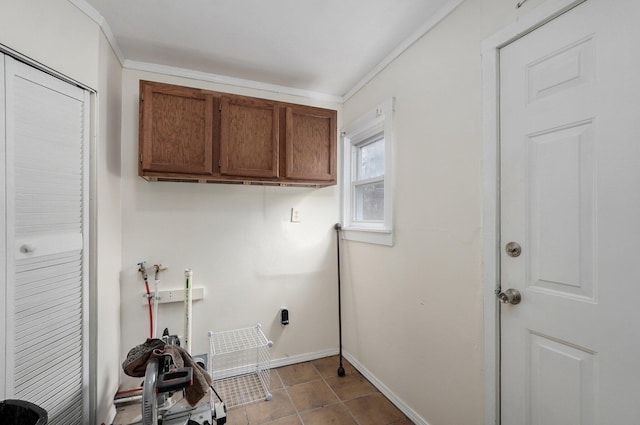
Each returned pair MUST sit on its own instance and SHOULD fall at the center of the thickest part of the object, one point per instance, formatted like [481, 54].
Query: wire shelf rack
[239, 363]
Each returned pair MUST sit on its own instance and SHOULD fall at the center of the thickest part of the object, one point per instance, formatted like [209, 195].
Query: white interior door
[45, 304]
[570, 197]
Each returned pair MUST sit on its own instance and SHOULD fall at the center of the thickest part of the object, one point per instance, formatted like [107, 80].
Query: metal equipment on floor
[160, 383]
[175, 390]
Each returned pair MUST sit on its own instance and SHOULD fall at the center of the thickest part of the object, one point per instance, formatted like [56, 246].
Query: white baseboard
[286, 361]
[411, 414]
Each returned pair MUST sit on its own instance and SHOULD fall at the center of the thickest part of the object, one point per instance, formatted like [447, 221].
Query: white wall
[239, 242]
[108, 236]
[56, 34]
[413, 312]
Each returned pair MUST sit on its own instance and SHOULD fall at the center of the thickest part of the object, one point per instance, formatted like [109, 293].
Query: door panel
[570, 196]
[310, 143]
[249, 137]
[570, 371]
[47, 153]
[561, 210]
[176, 129]
[568, 67]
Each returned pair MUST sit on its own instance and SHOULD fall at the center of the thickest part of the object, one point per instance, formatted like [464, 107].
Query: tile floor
[312, 393]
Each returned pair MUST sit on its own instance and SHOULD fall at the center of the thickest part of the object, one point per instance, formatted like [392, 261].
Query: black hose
[338, 227]
[217, 395]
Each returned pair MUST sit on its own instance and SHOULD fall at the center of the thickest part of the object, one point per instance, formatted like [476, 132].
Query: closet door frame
[3, 233]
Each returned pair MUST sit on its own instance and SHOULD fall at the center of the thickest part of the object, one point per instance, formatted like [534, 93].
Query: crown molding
[94, 15]
[229, 81]
[440, 15]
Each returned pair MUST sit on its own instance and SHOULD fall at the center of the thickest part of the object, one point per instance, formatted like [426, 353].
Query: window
[368, 177]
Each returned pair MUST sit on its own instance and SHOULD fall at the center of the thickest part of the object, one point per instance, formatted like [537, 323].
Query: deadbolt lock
[513, 249]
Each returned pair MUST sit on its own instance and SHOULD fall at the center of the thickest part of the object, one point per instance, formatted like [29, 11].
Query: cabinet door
[310, 143]
[176, 134]
[248, 137]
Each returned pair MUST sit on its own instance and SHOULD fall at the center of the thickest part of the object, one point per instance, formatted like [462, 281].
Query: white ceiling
[322, 46]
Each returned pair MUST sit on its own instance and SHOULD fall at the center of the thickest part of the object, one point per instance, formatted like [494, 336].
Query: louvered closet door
[46, 195]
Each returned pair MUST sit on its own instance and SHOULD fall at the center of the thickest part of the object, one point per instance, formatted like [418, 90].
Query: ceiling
[320, 46]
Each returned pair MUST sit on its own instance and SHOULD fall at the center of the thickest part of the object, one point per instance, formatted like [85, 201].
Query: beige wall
[413, 312]
[108, 237]
[54, 33]
[239, 242]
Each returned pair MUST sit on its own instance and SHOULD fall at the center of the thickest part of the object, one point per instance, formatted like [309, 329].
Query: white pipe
[158, 267]
[127, 399]
[188, 305]
[155, 310]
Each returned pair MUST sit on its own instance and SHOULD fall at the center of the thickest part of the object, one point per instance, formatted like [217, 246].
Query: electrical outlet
[284, 316]
[295, 215]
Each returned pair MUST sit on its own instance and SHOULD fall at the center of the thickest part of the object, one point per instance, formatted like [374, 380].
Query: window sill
[374, 236]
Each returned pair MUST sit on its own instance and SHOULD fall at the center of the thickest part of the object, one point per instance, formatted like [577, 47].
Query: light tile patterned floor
[311, 393]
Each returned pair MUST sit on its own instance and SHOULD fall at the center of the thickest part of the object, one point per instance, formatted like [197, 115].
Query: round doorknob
[27, 249]
[513, 249]
[510, 296]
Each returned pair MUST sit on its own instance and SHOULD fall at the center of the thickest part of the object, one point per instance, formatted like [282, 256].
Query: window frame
[356, 180]
[359, 133]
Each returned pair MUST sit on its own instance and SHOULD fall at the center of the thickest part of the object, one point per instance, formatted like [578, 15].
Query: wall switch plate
[295, 215]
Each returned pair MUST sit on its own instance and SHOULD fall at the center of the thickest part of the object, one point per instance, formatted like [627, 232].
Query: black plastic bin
[20, 412]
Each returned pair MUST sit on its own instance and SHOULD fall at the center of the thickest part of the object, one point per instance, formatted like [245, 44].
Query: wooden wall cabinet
[190, 134]
[249, 137]
[310, 143]
[176, 130]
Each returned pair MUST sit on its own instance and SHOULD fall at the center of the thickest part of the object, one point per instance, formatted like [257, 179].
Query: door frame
[491, 189]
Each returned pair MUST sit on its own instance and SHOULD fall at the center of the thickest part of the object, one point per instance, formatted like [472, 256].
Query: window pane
[369, 199]
[371, 160]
